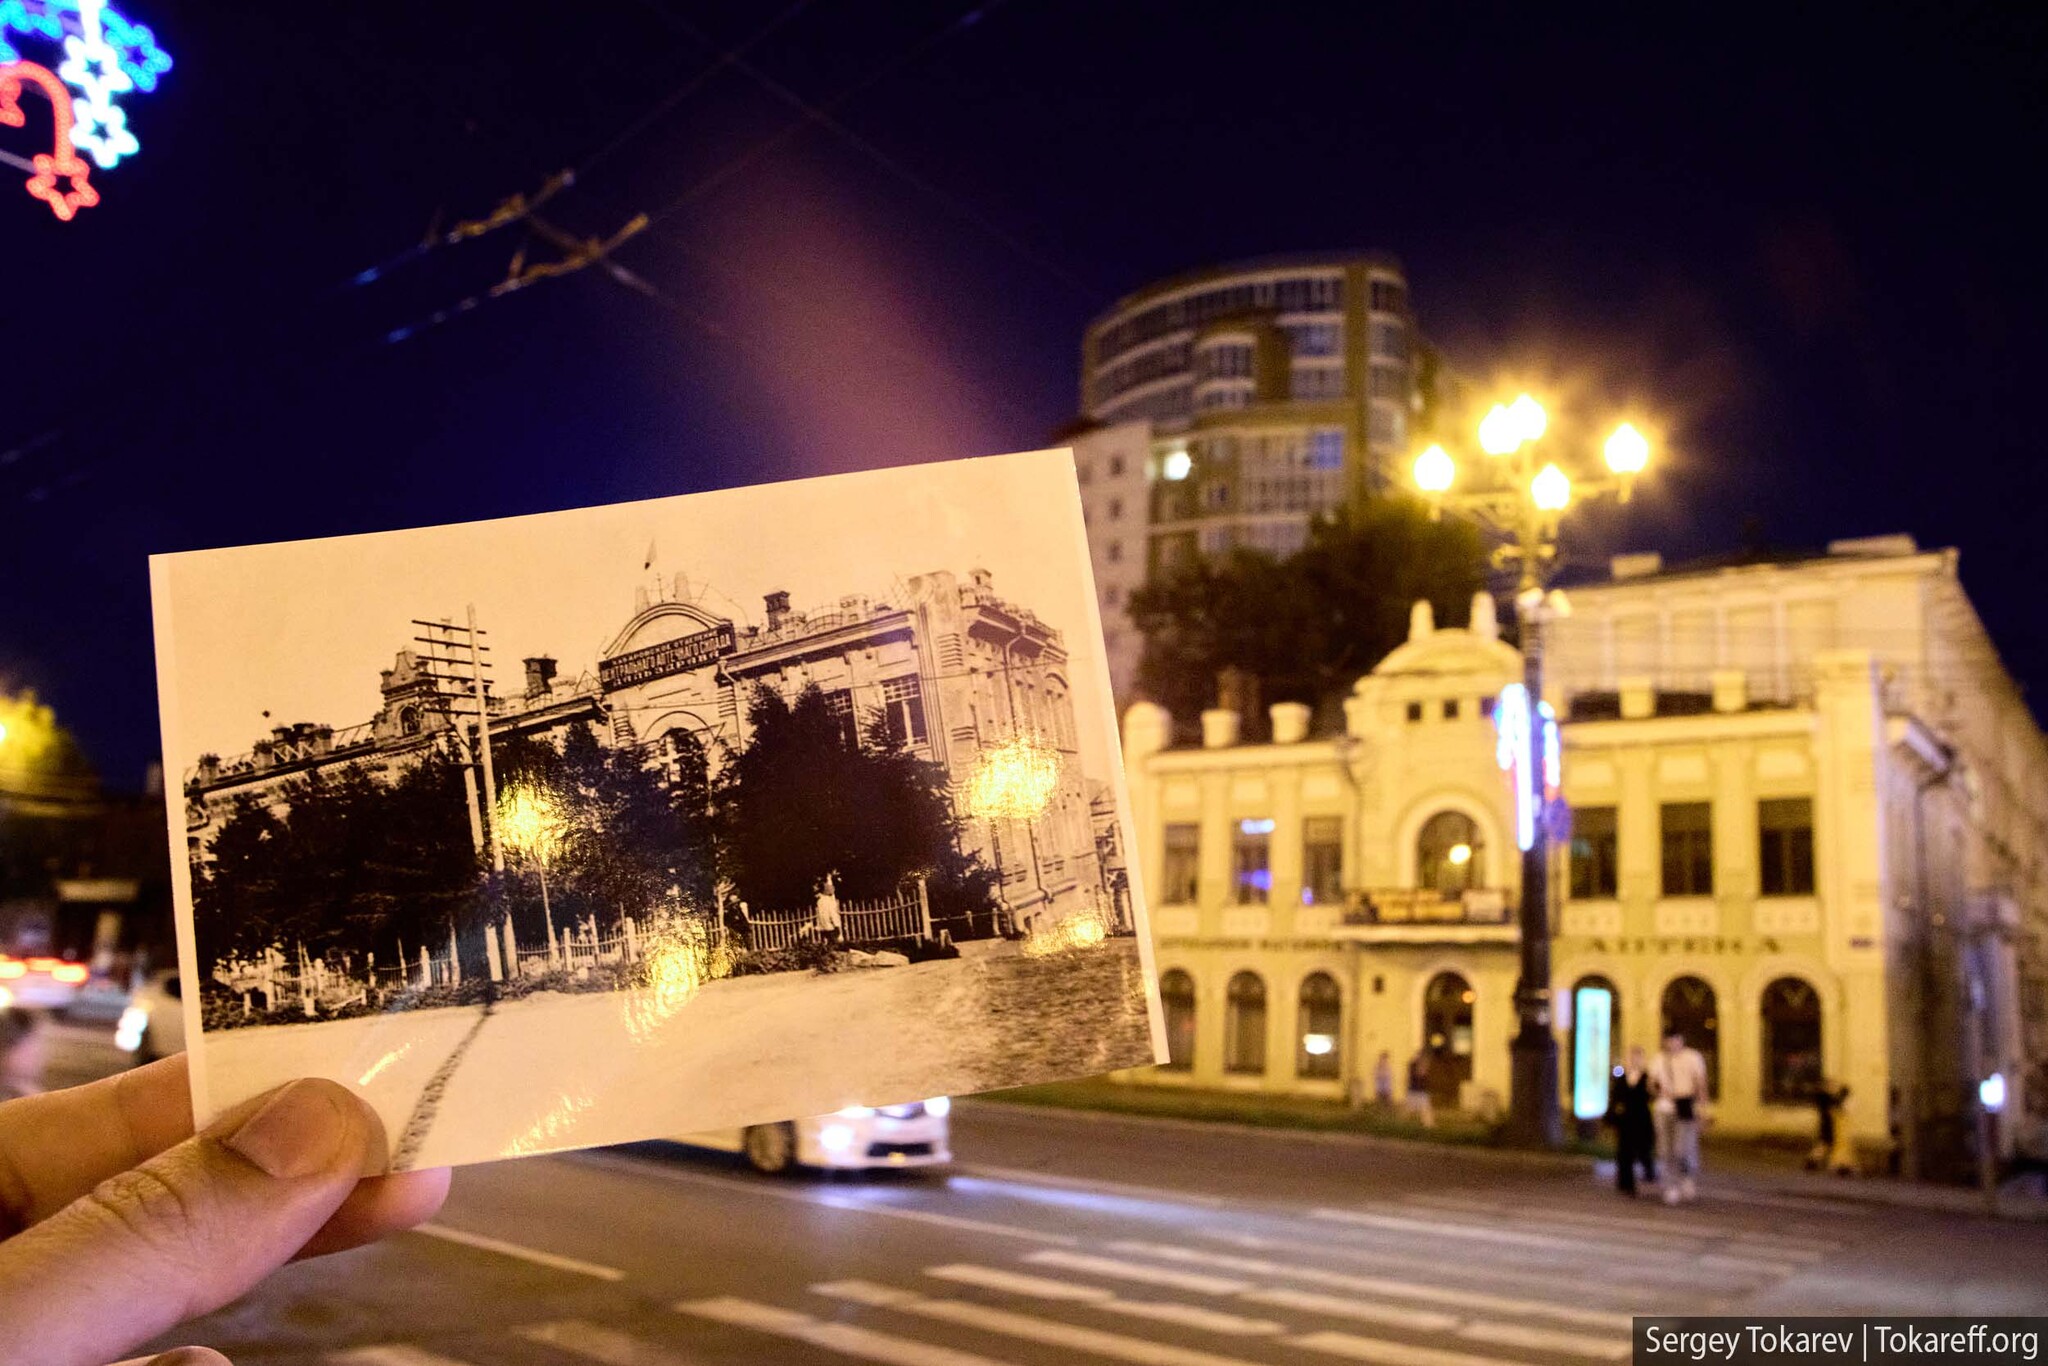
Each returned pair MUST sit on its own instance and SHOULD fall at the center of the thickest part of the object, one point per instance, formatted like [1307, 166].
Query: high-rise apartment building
[1228, 407]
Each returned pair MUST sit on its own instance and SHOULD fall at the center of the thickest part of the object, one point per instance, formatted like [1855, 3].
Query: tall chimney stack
[540, 677]
[778, 607]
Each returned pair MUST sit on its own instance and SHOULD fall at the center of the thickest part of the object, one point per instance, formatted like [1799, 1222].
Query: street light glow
[1461, 854]
[1551, 489]
[1500, 432]
[1628, 450]
[1530, 419]
[1177, 466]
[530, 823]
[1434, 470]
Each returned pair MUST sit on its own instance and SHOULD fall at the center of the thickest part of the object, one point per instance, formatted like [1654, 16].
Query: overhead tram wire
[821, 115]
[516, 207]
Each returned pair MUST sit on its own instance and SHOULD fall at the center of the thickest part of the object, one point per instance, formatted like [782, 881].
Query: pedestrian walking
[1831, 1149]
[1420, 1107]
[1383, 1082]
[1679, 1078]
[1635, 1131]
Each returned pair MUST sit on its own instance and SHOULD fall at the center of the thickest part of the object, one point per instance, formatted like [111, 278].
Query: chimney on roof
[1640, 566]
[540, 676]
[778, 607]
[1421, 620]
[1485, 619]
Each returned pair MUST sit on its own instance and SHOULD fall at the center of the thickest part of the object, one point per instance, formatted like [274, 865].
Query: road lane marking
[1029, 1327]
[1385, 1353]
[1017, 1283]
[1506, 1237]
[390, 1354]
[1199, 1283]
[844, 1338]
[605, 1345]
[1096, 1297]
[1689, 1224]
[1548, 1340]
[822, 1200]
[1339, 1306]
[529, 1254]
[1159, 1194]
[1455, 1296]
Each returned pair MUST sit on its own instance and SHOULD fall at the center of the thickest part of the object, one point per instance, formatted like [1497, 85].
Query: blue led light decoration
[1514, 752]
[100, 55]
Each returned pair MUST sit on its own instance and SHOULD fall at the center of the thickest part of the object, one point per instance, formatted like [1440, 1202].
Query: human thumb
[185, 1232]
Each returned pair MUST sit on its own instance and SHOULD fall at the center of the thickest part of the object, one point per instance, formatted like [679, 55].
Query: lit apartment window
[1251, 862]
[1322, 860]
[903, 709]
[1785, 845]
[1326, 448]
[1595, 859]
[1318, 339]
[1180, 875]
[1688, 829]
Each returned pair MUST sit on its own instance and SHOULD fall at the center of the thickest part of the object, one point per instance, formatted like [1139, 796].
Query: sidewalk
[1759, 1172]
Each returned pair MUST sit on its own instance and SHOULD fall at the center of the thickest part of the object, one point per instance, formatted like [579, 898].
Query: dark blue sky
[1807, 244]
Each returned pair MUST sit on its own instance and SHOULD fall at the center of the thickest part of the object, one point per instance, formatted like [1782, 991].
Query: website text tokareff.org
[1795, 1341]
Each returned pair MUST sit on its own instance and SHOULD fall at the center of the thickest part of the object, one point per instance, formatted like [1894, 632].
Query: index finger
[57, 1146]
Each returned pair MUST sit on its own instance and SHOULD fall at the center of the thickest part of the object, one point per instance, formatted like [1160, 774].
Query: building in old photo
[1806, 829]
[952, 670]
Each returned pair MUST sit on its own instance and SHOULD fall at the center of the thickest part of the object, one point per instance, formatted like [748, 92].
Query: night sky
[1811, 253]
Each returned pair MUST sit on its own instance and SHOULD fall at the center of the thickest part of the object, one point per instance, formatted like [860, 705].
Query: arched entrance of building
[1447, 1035]
[1689, 1008]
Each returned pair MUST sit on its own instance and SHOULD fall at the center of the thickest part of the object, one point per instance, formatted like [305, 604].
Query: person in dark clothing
[1635, 1131]
[1831, 1149]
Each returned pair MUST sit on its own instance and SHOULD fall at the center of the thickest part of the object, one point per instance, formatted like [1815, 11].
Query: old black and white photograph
[659, 818]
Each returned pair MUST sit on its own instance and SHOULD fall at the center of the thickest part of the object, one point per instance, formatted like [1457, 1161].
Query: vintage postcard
[699, 814]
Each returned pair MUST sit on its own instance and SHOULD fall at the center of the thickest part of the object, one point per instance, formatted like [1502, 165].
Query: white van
[858, 1138]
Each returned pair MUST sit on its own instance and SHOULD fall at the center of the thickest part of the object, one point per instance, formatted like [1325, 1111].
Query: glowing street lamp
[530, 824]
[1522, 500]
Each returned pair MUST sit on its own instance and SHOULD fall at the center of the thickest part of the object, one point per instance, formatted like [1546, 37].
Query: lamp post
[1521, 499]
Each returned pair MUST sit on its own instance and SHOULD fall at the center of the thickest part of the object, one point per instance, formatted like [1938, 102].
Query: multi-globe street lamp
[1521, 498]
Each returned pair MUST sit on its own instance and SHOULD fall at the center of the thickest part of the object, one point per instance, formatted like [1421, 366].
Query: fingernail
[298, 1132]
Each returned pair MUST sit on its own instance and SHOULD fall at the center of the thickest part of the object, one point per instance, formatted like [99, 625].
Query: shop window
[1244, 1024]
[1688, 829]
[1449, 854]
[1322, 860]
[1177, 999]
[1596, 1044]
[1785, 846]
[1792, 1057]
[1321, 1027]
[1180, 876]
[1595, 853]
[1251, 862]
[1690, 1010]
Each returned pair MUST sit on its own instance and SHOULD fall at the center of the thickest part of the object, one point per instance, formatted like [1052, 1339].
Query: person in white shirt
[1679, 1077]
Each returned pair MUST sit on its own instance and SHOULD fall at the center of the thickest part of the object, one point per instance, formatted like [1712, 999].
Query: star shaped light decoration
[93, 68]
[77, 192]
[101, 130]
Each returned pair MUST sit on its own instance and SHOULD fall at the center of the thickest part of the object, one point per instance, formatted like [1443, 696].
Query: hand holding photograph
[645, 820]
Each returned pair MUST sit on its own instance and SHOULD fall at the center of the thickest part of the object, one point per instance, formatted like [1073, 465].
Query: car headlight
[836, 1138]
[939, 1106]
[128, 1033]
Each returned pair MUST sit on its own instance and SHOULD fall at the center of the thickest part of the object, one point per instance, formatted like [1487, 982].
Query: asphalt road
[1069, 1238]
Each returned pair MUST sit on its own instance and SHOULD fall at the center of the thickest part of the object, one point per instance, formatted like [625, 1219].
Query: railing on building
[1427, 906]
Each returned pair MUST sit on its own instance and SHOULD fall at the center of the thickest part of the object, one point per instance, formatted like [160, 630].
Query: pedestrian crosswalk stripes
[1197, 1282]
[1657, 1224]
[1096, 1297]
[1347, 1307]
[1682, 1249]
[1352, 1347]
[594, 1342]
[1454, 1296]
[1028, 1327]
[1549, 1340]
[390, 1354]
[844, 1338]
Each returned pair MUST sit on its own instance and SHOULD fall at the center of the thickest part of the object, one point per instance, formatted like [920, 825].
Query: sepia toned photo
[638, 821]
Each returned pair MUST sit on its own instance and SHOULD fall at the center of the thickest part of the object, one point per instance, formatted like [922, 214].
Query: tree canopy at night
[1308, 625]
[801, 802]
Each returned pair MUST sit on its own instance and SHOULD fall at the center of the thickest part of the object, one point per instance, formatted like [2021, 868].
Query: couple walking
[1657, 1111]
